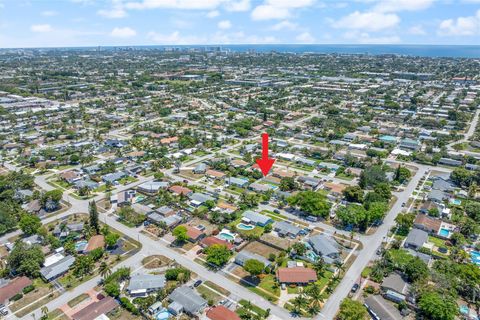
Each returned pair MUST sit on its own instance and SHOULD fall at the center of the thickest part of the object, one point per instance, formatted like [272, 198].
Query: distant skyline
[64, 23]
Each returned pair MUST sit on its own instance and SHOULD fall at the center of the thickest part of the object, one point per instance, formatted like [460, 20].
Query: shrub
[28, 289]
[16, 297]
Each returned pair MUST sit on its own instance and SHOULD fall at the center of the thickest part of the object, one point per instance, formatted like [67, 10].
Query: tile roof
[222, 313]
[13, 287]
[94, 310]
[296, 275]
[95, 242]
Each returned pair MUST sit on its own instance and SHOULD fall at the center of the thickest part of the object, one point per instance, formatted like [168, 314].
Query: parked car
[276, 211]
[355, 287]
[197, 283]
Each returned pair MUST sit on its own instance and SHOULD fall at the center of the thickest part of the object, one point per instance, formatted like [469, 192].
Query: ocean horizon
[415, 50]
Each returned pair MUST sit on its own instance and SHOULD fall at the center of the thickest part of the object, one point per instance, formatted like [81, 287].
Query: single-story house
[187, 300]
[96, 309]
[113, 177]
[284, 228]
[245, 255]
[179, 190]
[91, 185]
[57, 269]
[326, 247]
[427, 223]
[214, 174]
[165, 211]
[152, 187]
[416, 239]
[259, 187]
[395, 287]
[256, 218]
[13, 288]
[141, 285]
[208, 241]
[197, 198]
[201, 168]
[194, 234]
[381, 308]
[221, 313]
[170, 221]
[238, 182]
[296, 275]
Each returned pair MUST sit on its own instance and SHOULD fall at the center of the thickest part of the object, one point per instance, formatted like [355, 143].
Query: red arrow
[265, 163]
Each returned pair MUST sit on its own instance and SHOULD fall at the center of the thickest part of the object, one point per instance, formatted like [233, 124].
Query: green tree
[288, 184]
[26, 260]
[111, 239]
[30, 224]
[316, 297]
[311, 202]
[105, 270]
[353, 194]
[435, 306]
[352, 310]
[217, 255]
[93, 216]
[254, 267]
[372, 176]
[83, 265]
[416, 269]
[180, 234]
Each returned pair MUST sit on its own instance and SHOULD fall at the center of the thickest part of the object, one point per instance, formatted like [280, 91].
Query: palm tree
[319, 267]
[44, 310]
[316, 297]
[299, 302]
[105, 270]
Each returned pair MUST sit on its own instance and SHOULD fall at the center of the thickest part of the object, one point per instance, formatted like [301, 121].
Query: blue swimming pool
[163, 314]
[456, 202]
[226, 236]
[81, 245]
[444, 233]
[475, 256]
[243, 226]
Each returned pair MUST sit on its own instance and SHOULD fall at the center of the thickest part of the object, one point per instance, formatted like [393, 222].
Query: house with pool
[254, 218]
[325, 247]
[245, 255]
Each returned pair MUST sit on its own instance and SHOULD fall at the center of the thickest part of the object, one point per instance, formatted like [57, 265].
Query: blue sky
[50, 23]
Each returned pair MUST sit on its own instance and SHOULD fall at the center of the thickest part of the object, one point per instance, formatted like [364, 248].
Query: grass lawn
[366, 272]
[269, 284]
[436, 241]
[77, 300]
[212, 285]
[253, 307]
[127, 180]
[257, 231]
[208, 294]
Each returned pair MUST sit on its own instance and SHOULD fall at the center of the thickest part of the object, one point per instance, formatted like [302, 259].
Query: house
[152, 187]
[209, 241]
[194, 234]
[170, 221]
[296, 275]
[284, 228]
[214, 174]
[395, 288]
[309, 182]
[123, 198]
[187, 300]
[141, 208]
[238, 182]
[63, 231]
[70, 176]
[141, 285]
[259, 187]
[13, 288]
[381, 308]
[91, 185]
[95, 242]
[326, 247]
[179, 190]
[416, 239]
[96, 309]
[256, 218]
[201, 168]
[239, 163]
[244, 255]
[197, 199]
[221, 313]
[410, 144]
[442, 184]
[165, 211]
[437, 196]
[57, 269]
[113, 177]
[426, 223]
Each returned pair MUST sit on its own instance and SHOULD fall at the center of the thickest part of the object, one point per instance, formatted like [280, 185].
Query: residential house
[221, 313]
[426, 223]
[209, 241]
[238, 182]
[12, 288]
[57, 269]
[214, 174]
[70, 176]
[95, 242]
[179, 190]
[201, 168]
[185, 299]
[287, 229]
[326, 247]
[395, 288]
[95, 310]
[113, 177]
[141, 285]
[296, 275]
[244, 255]
[197, 199]
[416, 239]
[194, 234]
[256, 218]
[381, 308]
[259, 187]
[152, 187]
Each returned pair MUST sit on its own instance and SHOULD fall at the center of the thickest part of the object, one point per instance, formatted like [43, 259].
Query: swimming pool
[464, 310]
[444, 233]
[226, 236]
[312, 256]
[456, 202]
[81, 245]
[243, 226]
[163, 314]
[475, 256]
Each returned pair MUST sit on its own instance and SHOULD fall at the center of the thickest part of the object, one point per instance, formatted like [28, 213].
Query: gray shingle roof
[188, 299]
[416, 237]
[256, 217]
[324, 245]
[146, 282]
[58, 268]
[245, 255]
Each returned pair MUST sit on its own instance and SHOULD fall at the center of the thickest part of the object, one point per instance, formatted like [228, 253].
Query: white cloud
[116, 11]
[213, 14]
[174, 4]
[290, 3]
[238, 6]
[285, 24]
[305, 37]
[224, 24]
[461, 26]
[268, 12]
[41, 28]
[366, 38]
[417, 30]
[49, 13]
[125, 32]
[368, 21]
[402, 5]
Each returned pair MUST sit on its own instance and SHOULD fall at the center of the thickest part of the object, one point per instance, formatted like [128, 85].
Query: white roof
[54, 258]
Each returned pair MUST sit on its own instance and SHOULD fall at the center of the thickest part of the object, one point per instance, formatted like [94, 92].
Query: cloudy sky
[47, 23]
